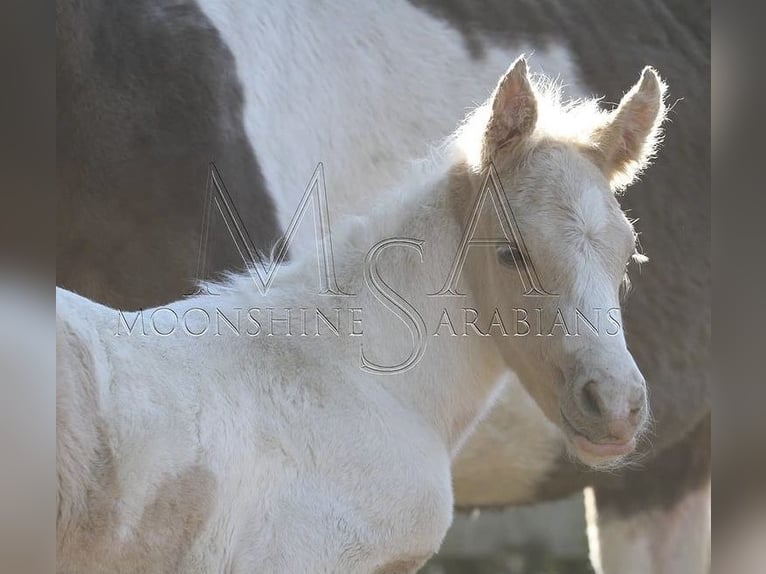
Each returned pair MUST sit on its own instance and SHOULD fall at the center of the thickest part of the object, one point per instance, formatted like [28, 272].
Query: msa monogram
[263, 270]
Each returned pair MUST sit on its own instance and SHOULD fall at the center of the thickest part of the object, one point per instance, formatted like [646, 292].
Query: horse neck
[454, 381]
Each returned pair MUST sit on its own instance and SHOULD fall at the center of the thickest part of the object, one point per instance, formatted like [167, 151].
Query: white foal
[296, 432]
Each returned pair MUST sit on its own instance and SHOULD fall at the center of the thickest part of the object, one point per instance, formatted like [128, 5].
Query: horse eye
[509, 255]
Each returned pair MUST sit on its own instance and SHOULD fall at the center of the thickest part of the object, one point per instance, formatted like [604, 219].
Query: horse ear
[513, 109]
[628, 140]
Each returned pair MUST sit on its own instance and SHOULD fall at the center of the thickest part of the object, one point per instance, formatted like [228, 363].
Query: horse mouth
[604, 449]
[595, 452]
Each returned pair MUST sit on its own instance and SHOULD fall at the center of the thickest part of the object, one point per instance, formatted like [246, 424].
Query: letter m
[262, 269]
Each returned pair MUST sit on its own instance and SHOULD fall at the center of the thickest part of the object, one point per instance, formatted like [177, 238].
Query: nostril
[591, 400]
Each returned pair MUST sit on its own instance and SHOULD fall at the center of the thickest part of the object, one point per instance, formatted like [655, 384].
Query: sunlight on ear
[469, 137]
[569, 121]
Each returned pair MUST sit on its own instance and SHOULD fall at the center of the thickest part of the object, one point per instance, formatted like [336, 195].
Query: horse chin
[597, 455]
[600, 455]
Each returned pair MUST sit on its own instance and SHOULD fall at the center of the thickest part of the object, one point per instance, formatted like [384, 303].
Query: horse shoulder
[404, 478]
[374, 484]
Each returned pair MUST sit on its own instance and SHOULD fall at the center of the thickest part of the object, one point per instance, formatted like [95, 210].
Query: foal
[296, 432]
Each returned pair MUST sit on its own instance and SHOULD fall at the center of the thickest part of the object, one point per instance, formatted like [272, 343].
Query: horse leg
[672, 541]
[656, 520]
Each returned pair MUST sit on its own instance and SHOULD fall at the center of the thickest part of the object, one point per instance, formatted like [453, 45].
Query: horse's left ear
[513, 112]
[628, 140]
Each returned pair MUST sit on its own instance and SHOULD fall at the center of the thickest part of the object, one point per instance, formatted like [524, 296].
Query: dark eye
[509, 255]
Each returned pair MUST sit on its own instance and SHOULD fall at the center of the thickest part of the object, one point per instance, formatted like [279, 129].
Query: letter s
[397, 304]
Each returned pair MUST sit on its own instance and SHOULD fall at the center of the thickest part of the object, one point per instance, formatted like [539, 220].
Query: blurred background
[547, 538]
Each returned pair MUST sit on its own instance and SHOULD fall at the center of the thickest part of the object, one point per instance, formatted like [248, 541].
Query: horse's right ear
[513, 110]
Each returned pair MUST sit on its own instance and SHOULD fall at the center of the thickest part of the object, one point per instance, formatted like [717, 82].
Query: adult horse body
[291, 103]
[193, 448]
